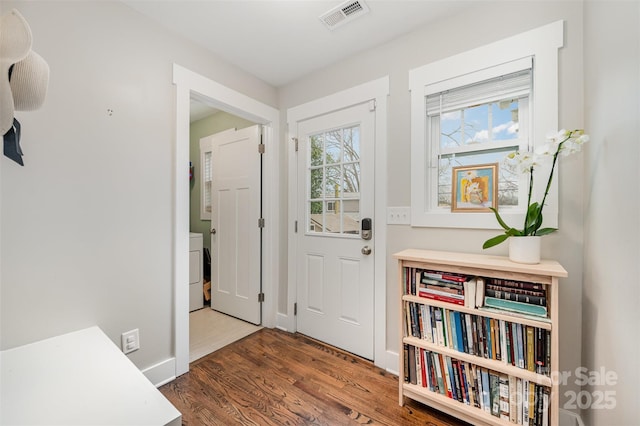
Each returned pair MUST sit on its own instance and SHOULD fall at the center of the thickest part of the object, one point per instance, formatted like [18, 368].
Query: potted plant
[565, 142]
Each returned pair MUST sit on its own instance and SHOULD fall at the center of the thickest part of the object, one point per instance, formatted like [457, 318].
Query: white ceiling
[280, 41]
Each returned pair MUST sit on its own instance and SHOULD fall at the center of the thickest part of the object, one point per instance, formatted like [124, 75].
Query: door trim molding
[221, 97]
[377, 90]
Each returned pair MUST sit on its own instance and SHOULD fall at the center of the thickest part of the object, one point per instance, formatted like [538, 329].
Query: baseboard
[161, 373]
[283, 322]
[392, 362]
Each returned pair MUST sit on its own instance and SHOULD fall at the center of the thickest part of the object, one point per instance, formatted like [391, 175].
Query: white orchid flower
[565, 142]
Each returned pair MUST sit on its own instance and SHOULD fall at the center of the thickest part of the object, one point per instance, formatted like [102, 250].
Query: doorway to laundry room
[224, 250]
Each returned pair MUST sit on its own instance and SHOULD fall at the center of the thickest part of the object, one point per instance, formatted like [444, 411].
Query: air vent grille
[343, 13]
[352, 8]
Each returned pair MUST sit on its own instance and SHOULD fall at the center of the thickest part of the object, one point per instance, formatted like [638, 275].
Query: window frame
[206, 147]
[539, 46]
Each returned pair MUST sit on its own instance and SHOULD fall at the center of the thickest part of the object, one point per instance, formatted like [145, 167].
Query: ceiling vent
[343, 13]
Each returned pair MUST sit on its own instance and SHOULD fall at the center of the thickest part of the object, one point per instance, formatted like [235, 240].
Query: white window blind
[511, 86]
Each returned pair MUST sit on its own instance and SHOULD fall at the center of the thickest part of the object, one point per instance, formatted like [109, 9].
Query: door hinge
[295, 309]
[260, 297]
[295, 226]
[295, 141]
[261, 222]
[372, 105]
[261, 148]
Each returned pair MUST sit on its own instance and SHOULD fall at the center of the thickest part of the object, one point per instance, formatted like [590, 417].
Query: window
[479, 124]
[334, 181]
[474, 108]
[206, 177]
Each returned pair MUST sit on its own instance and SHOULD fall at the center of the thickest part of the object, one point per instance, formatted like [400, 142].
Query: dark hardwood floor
[276, 378]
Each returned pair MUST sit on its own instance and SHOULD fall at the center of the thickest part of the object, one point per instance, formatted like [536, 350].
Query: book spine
[455, 373]
[522, 298]
[448, 372]
[460, 331]
[495, 344]
[480, 388]
[539, 293]
[426, 319]
[494, 384]
[470, 337]
[439, 377]
[420, 376]
[547, 360]
[442, 298]
[442, 289]
[411, 360]
[439, 327]
[443, 276]
[513, 397]
[532, 398]
[416, 355]
[520, 345]
[515, 284]
[530, 348]
[503, 340]
[503, 381]
[405, 350]
[510, 305]
[464, 387]
[486, 390]
[425, 291]
[546, 395]
[519, 399]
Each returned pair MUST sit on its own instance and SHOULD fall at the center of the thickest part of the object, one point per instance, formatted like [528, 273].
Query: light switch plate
[130, 341]
[399, 215]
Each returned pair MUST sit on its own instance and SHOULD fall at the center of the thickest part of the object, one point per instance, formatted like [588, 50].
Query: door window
[333, 177]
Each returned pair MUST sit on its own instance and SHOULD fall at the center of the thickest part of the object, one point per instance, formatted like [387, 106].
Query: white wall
[86, 224]
[611, 298]
[482, 23]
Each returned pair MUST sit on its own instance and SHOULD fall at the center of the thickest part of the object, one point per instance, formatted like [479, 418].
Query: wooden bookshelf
[478, 267]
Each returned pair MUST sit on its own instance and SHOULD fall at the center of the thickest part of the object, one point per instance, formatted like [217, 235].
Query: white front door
[334, 268]
[235, 235]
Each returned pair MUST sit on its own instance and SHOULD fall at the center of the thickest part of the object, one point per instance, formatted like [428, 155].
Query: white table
[80, 378]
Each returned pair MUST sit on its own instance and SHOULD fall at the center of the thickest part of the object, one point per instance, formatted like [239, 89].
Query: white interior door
[334, 267]
[235, 235]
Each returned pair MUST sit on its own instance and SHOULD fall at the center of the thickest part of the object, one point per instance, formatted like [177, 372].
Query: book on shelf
[518, 307]
[519, 398]
[531, 365]
[442, 298]
[503, 381]
[523, 298]
[505, 396]
[447, 277]
[486, 390]
[479, 299]
[412, 365]
[470, 293]
[494, 391]
[497, 287]
[424, 291]
[513, 343]
[515, 284]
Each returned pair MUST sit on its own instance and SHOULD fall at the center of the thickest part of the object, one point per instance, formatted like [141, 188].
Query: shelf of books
[480, 336]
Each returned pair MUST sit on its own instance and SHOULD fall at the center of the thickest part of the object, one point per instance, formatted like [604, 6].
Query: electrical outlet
[130, 341]
[399, 215]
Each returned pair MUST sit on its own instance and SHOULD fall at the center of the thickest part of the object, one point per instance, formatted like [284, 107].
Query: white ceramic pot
[524, 249]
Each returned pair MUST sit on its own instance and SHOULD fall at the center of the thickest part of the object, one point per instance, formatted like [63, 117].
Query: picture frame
[474, 188]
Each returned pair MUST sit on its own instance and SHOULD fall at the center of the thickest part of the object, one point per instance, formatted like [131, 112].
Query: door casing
[189, 83]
